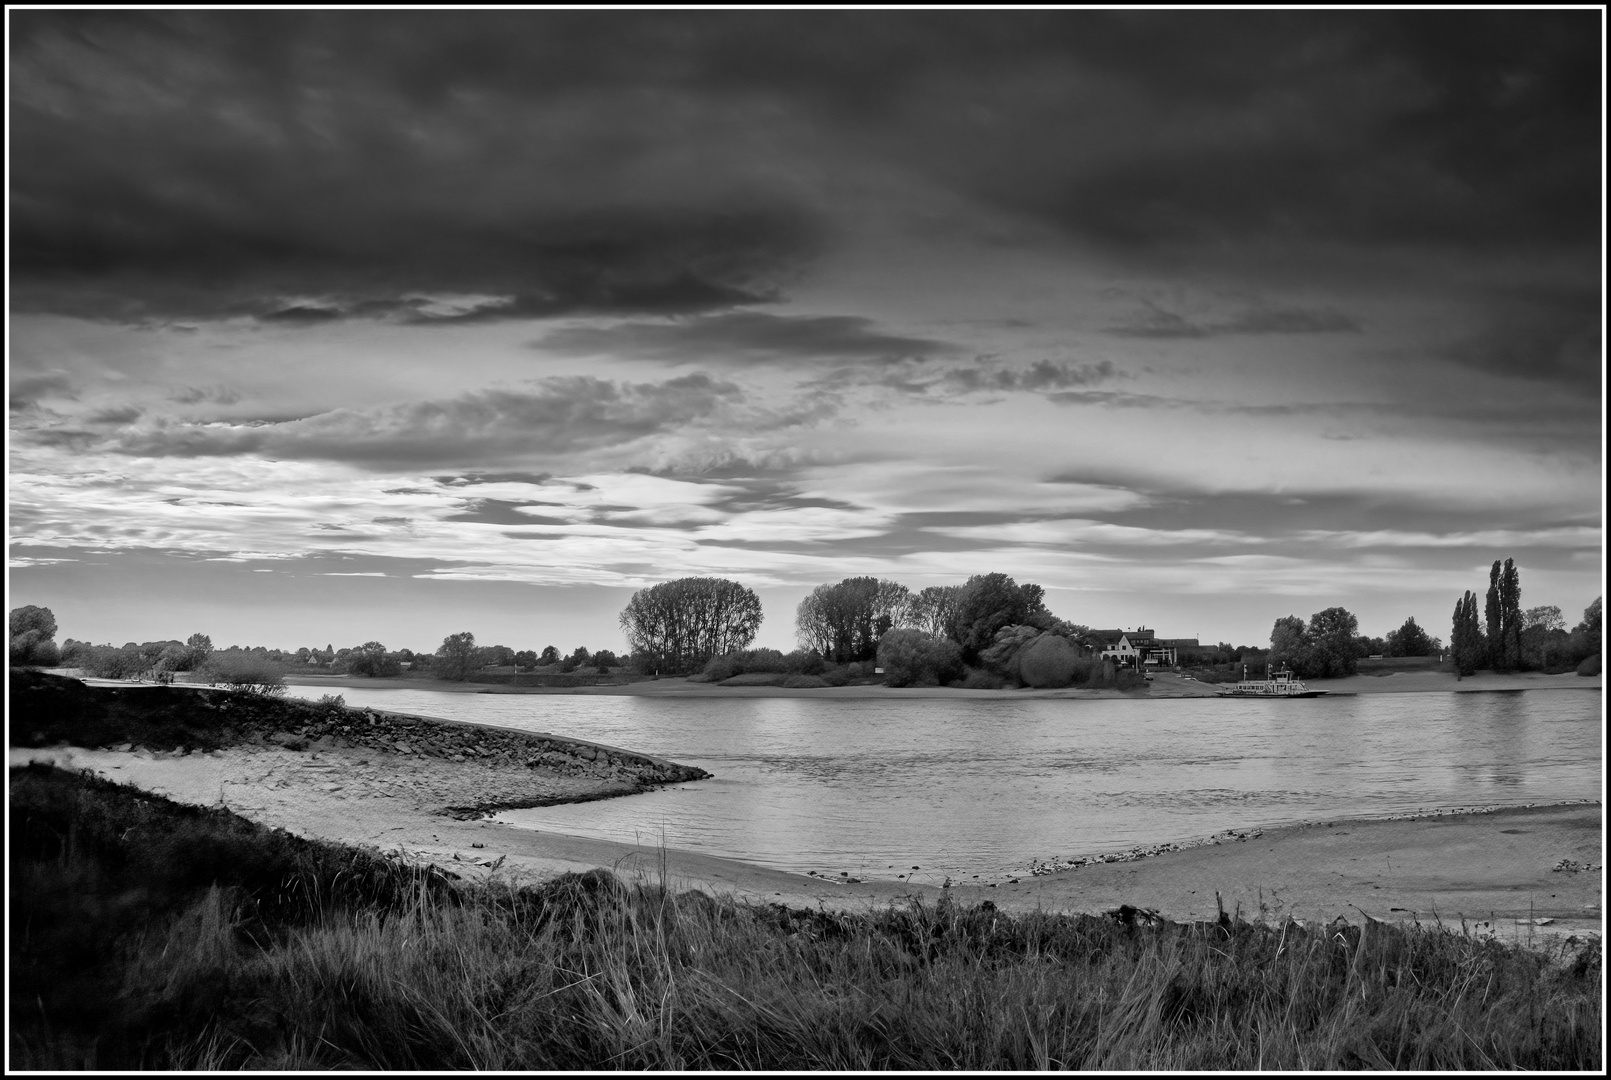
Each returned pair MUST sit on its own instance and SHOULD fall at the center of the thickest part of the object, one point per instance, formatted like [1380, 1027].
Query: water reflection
[966, 787]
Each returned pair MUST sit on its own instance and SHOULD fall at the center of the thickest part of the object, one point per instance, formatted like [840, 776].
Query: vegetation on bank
[145, 934]
[989, 632]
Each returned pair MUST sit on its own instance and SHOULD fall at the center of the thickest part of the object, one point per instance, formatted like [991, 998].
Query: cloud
[745, 337]
[215, 395]
[1554, 340]
[118, 416]
[1155, 321]
[172, 165]
[27, 391]
[563, 416]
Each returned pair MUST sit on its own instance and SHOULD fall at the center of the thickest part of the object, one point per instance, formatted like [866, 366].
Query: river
[986, 787]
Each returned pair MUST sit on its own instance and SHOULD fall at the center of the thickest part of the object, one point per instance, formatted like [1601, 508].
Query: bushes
[761, 662]
[913, 658]
[247, 672]
[1048, 661]
[105, 662]
[1590, 665]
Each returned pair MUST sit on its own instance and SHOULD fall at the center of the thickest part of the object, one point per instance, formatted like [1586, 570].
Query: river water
[986, 787]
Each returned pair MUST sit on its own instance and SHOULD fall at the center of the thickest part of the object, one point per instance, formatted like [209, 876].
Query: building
[1141, 647]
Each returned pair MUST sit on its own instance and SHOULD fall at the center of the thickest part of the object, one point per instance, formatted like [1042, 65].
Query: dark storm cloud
[745, 337]
[306, 166]
[1557, 339]
[203, 164]
[1467, 129]
[564, 416]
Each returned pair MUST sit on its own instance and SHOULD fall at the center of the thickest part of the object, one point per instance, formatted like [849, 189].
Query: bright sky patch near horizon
[330, 327]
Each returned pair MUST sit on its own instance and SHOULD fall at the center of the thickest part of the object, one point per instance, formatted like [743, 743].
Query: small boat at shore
[1278, 684]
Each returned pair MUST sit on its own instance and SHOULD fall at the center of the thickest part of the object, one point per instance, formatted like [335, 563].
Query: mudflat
[1490, 869]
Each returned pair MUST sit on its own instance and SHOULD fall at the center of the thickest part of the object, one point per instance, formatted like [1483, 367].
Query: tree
[456, 656]
[1493, 615]
[1585, 639]
[1511, 616]
[1466, 645]
[933, 610]
[198, 647]
[550, 655]
[1543, 632]
[33, 630]
[372, 659]
[914, 658]
[1333, 652]
[1289, 644]
[1408, 640]
[525, 659]
[844, 622]
[989, 602]
[677, 626]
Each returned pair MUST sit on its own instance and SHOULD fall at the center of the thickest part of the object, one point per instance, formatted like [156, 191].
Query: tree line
[1508, 638]
[981, 630]
[33, 632]
[988, 631]
[1502, 637]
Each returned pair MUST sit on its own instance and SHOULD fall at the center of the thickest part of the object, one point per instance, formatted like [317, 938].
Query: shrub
[980, 679]
[913, 658]
[105, 662]
[1007, 650]
[39, 653]
[332, 703]
[1590, 665]
[1048, 661]
[804, 682]
[1129, 679]
[806, 662]
[746, 662]
[836, 675]
[757, 678]
[248, 673]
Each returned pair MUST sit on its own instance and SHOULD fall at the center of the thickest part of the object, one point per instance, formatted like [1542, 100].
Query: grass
[150, 935]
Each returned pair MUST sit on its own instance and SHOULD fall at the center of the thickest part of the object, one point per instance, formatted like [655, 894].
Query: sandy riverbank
[1491, 869]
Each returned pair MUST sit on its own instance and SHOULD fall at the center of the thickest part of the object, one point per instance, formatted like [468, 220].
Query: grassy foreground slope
[148, 934]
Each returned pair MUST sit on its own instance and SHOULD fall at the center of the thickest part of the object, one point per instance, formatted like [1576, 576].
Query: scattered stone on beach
[1572, 866]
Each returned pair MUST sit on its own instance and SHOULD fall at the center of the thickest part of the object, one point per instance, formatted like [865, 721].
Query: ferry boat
[1279, 684]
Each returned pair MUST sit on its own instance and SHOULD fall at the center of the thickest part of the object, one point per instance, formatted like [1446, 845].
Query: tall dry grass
[588, 972]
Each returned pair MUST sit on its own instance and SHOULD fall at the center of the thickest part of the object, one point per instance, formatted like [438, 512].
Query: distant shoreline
[1166, 685]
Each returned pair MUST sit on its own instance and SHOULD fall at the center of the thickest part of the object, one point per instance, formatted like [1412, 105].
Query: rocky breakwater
[451, 767]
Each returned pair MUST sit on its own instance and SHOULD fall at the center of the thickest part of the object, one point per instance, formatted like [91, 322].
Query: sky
[329, 327]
